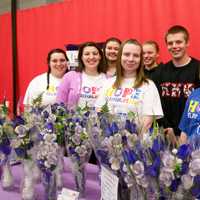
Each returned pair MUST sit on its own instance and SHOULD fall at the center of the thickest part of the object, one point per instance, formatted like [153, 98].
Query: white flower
[166, 176]
[174, 151]
[142, 180]
[115, 163]
[138, 168]
[196, 154]
[168, 160]
[179, 161]
[21, 130]
[50, 138]
[194, 167]
[187, 181]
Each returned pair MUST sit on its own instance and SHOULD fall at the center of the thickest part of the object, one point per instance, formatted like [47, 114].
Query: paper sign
[109, 185]
[67, 194]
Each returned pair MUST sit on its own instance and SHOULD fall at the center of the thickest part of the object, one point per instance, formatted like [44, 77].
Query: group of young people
[128, 77]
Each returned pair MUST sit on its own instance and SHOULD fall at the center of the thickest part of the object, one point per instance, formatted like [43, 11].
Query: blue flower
[2, 121]
[29, 145]
[183, 151]
[152, 153]
[196, 188]
[86, 114]
[18, 121]
[184, 168]
[54, 107]
[49, 126]
[153, 170]
[129, 126]
[114, 127]
[45, 114]
[103, 155]
[20, 152]
[197, 180]
[157, 145]
[129, 156]
[124, 139]
[6, 149]
[72, 150]
[174, 185]
[108, 131]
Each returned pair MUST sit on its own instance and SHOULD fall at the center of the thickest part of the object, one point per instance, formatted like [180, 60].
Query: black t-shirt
[150, 73]
[175, 85]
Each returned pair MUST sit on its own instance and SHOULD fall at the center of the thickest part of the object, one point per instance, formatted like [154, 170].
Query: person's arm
[183, 138]
[146, 124]
[170, 135]
[63, 90]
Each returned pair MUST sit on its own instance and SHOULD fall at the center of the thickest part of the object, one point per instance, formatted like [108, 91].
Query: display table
[92, 183]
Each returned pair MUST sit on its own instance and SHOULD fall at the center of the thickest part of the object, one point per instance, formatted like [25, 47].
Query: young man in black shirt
[176, 79]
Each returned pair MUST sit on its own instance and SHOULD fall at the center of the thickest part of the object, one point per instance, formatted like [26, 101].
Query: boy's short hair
[177, 29]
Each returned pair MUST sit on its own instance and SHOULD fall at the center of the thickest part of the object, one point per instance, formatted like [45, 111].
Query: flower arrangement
[77, 138]
[150, 166]
[78, 145]
[47, 153]
[57, 114]
[47, 159]
[6, 133]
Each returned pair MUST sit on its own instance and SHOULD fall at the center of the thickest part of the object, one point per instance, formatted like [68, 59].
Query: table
[92, 183]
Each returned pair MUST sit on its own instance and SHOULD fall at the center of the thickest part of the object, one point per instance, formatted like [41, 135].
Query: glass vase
[60, 168]
[50, 185]
[6, 177]
[27, 191]
[78, 170]
[123, 190]
[138, 193]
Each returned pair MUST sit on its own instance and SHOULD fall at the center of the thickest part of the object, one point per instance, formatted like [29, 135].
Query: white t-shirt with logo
[144, 101]
[39, 85]
[90, 88]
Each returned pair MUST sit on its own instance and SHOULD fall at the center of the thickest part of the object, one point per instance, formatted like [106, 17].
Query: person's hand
[169, 132]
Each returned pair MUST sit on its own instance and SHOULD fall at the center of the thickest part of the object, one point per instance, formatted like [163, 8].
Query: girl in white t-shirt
[130, 90]
[47, 83]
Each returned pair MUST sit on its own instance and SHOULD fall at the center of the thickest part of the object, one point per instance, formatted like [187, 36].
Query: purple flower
[49, 126]
[183, 151]
[174, 185]
[131, 127]
[129, 156]
[153, 170]
[103, 155]
[45, 114]
[6, 149]
[108, 131]
[157, 145]
[184, 168]
[114, 128]
[18, 121]
[20, 152]
[196, 188]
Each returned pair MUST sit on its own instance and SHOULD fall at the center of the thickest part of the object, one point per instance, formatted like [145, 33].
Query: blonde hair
[140, 77]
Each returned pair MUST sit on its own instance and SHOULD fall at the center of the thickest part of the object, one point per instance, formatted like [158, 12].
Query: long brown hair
[140, 77]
